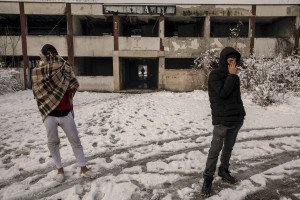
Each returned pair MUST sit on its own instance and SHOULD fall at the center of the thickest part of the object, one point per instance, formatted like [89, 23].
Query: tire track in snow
[196, 179]
[117, 170]
[25, 174]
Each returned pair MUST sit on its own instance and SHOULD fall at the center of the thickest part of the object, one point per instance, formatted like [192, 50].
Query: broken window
[271, 27]
[92, 25]
[144, 26]
[47, 24]
[232, 27]
[10, 24]
[184, 27]
[93, 66]
[179, 63]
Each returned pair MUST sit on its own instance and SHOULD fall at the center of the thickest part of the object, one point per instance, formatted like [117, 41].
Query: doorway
[139, 73]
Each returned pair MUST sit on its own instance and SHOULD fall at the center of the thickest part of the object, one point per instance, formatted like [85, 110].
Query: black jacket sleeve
[222, 89]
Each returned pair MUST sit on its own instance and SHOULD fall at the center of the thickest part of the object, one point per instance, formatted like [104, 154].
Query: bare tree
[8, 40]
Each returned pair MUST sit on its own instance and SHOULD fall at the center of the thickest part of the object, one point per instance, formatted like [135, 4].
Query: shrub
[8, 80]
[267, 80]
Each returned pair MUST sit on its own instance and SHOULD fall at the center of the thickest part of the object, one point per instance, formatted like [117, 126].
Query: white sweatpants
[67, 123]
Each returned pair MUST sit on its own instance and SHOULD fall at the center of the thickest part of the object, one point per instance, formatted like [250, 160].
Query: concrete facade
[136, 47]
[96, 83]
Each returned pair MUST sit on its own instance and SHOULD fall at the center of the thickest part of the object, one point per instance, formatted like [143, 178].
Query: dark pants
[221, 135]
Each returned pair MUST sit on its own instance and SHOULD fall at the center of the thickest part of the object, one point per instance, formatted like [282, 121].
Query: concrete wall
[101, 46]
[9, 8]
[45, 8]
[13, 45]
[271, 47]
[184, 80]
[87, 9]
[192, 47]
[96, 83]
[35, 44]
[213, 10]
[277, 10]
[139, 43]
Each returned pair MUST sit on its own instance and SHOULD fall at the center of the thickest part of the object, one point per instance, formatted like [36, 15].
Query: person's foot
[60, 178]
[225, 174]
[206, 188]
[88, 174]
[85, 172]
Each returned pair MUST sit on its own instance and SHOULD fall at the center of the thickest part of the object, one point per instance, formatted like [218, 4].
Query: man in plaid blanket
[54, 84]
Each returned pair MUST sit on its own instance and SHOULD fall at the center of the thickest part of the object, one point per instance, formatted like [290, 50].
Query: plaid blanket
[50, 81]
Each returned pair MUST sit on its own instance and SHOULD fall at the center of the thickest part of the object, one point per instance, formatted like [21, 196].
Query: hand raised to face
[232, 68]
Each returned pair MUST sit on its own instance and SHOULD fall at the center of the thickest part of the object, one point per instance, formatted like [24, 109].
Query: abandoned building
[124, 45]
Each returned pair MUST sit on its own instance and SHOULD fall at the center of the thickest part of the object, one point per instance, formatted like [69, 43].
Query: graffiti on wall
[139, 9]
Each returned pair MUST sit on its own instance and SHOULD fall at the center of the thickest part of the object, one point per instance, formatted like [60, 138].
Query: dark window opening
[139, 73]
[93, 25]
[93, 66]
[34, 61]
[10, 24]
[232, 27]
[179, 63]
[190, 27]
[138, 26]
[278, 27]
[11, 61]
[47, 24]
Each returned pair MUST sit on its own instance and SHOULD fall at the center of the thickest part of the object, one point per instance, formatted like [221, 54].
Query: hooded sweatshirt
[224, 92]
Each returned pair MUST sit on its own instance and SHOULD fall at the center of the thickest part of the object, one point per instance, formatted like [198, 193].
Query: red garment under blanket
[65, 101]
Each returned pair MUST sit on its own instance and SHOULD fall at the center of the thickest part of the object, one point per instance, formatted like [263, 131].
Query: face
[230, 60]
[49, 53]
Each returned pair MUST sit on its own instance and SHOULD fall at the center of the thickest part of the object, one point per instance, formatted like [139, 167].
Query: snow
[145, 146]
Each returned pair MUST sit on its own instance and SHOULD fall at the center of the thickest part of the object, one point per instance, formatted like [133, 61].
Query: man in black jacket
[227, 116]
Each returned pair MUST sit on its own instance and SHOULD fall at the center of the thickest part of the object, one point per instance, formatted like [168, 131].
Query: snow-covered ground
[148, 146]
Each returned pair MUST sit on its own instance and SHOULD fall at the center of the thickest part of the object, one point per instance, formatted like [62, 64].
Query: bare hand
[232, 68]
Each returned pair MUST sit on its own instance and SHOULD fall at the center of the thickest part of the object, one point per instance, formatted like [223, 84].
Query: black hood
[226, 52]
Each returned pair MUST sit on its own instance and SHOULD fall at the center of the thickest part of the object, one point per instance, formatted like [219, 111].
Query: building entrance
[139, 73]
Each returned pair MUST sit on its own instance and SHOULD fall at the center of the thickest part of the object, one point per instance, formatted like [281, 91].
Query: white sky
[187, 2]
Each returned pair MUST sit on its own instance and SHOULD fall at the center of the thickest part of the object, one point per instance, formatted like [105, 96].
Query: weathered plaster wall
[271, 47]
[13, 45]
[9, 8]
[277, 10]
[45, 8]
[87, 9]
[35, 44]
[213, 10]
[96, 83]
[93, 46]
[183, 80]
[192, 47]
[139, 43]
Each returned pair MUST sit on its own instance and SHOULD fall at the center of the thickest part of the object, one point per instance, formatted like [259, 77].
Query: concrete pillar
[70, 36]
[24, 42]
[116, 31]
[116, 71]
[161, 73]
[252, 29]
[161, 31]
[206, 33]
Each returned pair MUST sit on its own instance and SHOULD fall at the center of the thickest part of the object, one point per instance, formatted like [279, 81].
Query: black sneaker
[225, 174]
[206, 188]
